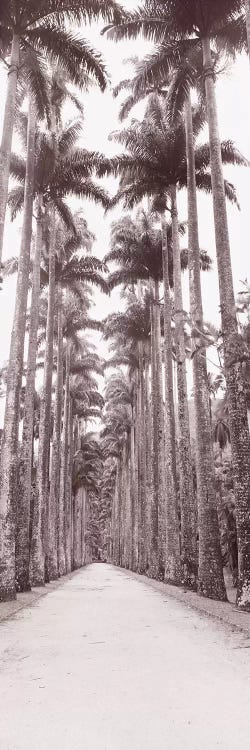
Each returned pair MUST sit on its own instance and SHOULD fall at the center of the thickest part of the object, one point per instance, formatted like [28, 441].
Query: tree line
[141, 488]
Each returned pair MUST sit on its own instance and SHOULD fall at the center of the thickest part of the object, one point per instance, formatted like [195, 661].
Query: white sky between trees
[101, 118]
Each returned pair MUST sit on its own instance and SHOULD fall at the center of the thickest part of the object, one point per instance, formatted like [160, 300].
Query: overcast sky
[101, 117]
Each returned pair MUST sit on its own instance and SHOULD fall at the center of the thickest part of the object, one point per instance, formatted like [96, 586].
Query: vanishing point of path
[106, 662]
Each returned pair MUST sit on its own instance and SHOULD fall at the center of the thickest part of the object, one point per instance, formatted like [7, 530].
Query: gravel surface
[106, 661]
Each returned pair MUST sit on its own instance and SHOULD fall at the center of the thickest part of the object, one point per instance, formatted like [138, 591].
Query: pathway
[107, 662]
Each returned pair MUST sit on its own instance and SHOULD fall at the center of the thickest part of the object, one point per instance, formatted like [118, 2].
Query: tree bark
[25, 471]
[8, 126]
[134, 493]
[77, 505]
[123, 505]
[188, 516]
[173, 561]
[83, 526]
[68, 492]
[63, 475]
[153, 570]
[232, 342]
[128, 535]
[210, 577]
[158, 529]
[56, 448]
[40, 572]
[117, 524]
[142, 463]
[148, 450]
[248, 24]
[9, 453]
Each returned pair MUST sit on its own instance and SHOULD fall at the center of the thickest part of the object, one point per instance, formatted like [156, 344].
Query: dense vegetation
[161, 485]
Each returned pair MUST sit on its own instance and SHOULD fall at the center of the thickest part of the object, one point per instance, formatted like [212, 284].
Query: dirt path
[106, 662]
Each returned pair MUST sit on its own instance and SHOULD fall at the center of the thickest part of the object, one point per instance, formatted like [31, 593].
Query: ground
[108, 661]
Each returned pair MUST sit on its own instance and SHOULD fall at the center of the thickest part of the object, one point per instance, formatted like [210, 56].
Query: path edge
[224, 612]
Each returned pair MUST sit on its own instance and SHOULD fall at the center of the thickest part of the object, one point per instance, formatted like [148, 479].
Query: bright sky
[101, 117]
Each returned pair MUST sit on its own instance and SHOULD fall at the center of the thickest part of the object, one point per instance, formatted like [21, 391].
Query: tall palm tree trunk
[173, 562]
[148, 453]
[158, 537]
[142, 462]
[248, 24]
[133, 493]
[63, 474]
[128, 529]
[68, 492]
[154, 507]
[117, 499]
[188, 514]
[25, 470]
[123, 504]
[112, 528]
[77, 504]
[238, 423]
[40, 568]
[83, 526]
[8, 466]
[8, 126]
[56, 448]
[168, 353]
[210, 576]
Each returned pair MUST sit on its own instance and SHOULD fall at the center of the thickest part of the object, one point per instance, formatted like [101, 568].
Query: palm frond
[10, 266]
[230, 192]
[229, 152]
[75, 54]
[15, 201]
[73, 11]
[36, 81]
[69, 137]
[125, 84]
[232, 36]
[134, 24]
[65, 214]
[18, 168]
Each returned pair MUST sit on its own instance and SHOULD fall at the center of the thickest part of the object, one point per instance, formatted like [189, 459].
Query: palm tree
[248, 24]
[81, 366]
[88, 270]
[145, 175]
[138, 246]
[69, 271]
[184, 69]
[116, 442]
[71, 243]
[87, 470]
[186, 22]
[126, 354]
[42, 31]
[22, 551]
[74, 321]
[130, 334]
[28, 133]
[68, 175]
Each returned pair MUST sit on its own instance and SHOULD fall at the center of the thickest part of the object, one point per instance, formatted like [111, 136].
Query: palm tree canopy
[159, 20]
[72, 265]
[58, 172]
[156, 158]
[136, 246]
[42, 30]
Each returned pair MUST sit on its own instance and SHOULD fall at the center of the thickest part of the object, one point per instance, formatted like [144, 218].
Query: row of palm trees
[161, 157]
[43, 55]
[150, 511]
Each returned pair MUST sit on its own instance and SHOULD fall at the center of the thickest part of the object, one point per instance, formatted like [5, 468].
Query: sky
[101, 118]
